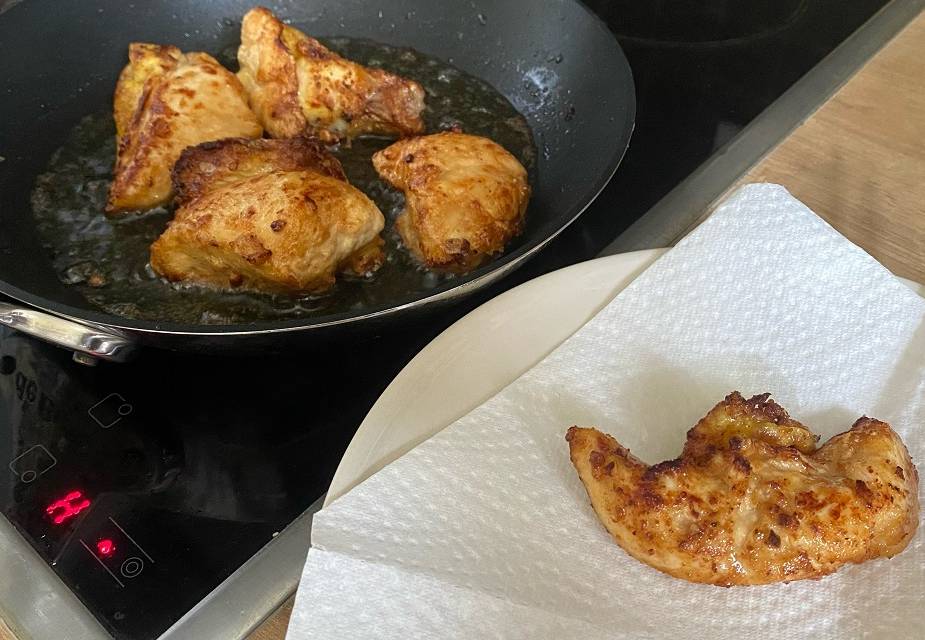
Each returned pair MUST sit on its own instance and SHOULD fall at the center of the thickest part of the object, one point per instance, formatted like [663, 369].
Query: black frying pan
[59, 60]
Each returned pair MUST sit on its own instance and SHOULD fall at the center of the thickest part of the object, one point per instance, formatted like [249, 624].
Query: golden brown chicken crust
[758, 417]
[465, 197]
[366, 260]
[750, 500]
[210, 164]
[298, 86]
[165, 101]
[145, 61]
[266, 215]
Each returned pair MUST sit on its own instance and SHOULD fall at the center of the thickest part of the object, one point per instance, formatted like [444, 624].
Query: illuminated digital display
[106, 547]
[67, 507]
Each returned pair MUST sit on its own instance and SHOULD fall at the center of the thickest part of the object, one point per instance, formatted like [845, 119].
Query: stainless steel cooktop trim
[34, 602]
[259, 586]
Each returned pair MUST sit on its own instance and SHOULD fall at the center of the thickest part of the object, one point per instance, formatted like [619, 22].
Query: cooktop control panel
[144, 485]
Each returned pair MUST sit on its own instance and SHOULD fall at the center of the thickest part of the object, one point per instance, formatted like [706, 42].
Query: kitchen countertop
[858, 161]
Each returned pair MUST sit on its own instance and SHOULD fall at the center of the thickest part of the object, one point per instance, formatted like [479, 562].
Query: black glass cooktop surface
[703, 70]
[144, 485]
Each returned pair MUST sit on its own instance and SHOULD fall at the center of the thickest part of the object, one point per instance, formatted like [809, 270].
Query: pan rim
[445, 292]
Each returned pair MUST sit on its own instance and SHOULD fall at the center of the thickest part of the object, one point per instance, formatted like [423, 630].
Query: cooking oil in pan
[107, 259]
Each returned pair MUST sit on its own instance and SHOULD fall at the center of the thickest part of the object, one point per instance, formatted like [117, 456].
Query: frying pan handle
[88, 343]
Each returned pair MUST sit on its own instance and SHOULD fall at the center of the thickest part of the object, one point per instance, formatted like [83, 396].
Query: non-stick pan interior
[553, 60]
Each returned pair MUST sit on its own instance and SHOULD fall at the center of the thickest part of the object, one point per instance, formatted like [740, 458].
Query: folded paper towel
[485, 530]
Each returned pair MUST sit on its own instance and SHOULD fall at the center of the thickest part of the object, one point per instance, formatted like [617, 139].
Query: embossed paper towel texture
[485, 531]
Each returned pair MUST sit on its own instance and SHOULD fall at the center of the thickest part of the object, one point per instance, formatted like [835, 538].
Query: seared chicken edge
[267, 215]
[465, 197]
[752, 500]
[166, 101]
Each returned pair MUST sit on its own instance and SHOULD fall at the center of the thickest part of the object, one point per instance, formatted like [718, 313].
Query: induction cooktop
[144, 486]
[150, 489]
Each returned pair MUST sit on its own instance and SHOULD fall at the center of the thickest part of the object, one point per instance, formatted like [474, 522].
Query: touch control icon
[109, 411]
[32, 463]
[132, 567]
[109, 552]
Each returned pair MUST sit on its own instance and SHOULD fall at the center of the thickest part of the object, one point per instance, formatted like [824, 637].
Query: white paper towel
[485, 531]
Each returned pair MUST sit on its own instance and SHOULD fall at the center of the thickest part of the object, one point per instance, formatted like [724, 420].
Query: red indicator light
[67, 507]
[105, 547]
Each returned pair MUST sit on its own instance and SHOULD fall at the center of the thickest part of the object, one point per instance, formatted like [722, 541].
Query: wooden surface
[859, 162]
[274, 627]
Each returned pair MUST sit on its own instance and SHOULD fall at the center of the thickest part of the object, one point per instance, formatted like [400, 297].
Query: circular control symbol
[28, 476]
[124, 409]
[132, 567]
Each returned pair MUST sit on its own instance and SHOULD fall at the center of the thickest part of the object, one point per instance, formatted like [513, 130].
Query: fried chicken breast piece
[465, 197]
[298, 86]
[165, 101]
[266, 215]
[751, 500]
